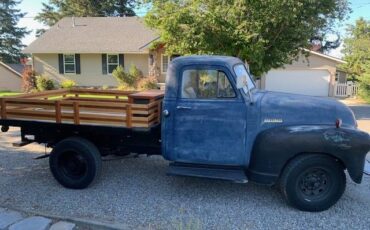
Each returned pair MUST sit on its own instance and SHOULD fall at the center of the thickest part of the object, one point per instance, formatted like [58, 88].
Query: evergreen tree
[10, 35]
[54, 10]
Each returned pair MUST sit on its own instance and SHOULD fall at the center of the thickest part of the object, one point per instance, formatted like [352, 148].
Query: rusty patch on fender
[338, 138]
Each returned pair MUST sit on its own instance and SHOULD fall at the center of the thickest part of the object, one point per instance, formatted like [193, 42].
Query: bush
[147, 83]
[123, 77]
[68, 84]
[364, 85]
[126, 88]
[134, 72]
[127, 79]
[28, 80]
[44, 83]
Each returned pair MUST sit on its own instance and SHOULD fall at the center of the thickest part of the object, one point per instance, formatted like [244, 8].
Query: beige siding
[312, 62]
[140, 60]
[9, 80]
[91, 68]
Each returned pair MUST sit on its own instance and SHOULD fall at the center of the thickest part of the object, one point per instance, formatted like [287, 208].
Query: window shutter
[104, 63]
[61, 64]
[121, 58]
[78, 63]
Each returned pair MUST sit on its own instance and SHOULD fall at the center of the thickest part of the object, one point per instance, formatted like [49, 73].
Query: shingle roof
[95, 35]
[17, 69]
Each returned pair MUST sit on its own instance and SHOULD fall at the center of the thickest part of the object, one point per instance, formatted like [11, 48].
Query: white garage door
[307, 82]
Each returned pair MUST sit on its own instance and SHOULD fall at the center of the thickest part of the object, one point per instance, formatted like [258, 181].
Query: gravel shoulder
[136, 193]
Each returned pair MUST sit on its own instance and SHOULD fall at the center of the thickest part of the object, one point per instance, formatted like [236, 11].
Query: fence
[348, 89]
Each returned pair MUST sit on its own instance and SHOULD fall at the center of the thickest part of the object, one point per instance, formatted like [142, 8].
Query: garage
[307, 82]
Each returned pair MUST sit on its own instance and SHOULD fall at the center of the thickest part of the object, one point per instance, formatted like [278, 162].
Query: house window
[112, 62]
[69, 63]
[166, 60]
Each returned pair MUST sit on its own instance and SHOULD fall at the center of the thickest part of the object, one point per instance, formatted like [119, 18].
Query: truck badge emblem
[273, 120]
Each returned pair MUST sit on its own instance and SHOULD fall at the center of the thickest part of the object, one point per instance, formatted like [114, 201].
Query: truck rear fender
[275, 147]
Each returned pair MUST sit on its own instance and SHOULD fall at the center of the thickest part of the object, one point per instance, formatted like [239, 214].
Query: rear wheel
[313, 182]
[75, 162]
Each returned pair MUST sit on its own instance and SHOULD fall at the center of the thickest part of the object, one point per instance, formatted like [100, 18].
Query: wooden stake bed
[86, 106]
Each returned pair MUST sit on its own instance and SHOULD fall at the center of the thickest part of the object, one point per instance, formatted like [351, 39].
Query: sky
[360, 8]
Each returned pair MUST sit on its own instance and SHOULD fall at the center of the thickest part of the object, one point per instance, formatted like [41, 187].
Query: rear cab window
[206, 84]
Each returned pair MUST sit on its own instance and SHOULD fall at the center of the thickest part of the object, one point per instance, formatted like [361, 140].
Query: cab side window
[206, 84]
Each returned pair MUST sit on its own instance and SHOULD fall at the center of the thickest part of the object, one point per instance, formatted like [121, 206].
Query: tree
[55, 10]
[267, 34]
[10, 35]
[357, 55]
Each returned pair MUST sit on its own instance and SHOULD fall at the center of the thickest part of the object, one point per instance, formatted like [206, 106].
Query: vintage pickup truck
[211, 122]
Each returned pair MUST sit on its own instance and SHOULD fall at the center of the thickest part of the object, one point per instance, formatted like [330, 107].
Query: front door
[209, 119]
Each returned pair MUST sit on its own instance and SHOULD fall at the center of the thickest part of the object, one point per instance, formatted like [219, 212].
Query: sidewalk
[11, 219]
[14, 220]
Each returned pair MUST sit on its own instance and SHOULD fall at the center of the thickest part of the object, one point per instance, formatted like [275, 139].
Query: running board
[236, 175]
[22, 143]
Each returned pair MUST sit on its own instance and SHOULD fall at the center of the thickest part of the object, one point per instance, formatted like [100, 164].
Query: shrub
[147, 83]
[134, 72]
[44, 83]
[126, 88]
[364, 85]
[28, 80]
[123, 77]
[105, 87]
[68, 84]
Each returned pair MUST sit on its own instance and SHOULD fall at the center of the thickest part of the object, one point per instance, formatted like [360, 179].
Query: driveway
[362, 113]
[135, 193]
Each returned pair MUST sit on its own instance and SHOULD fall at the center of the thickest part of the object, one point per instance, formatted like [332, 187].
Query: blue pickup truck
[216, 124]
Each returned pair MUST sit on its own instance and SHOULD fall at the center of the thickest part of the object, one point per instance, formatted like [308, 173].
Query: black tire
[313, 182]
[75, 163]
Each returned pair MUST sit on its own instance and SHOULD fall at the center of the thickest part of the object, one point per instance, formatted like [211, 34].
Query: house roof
[337, 60]
[14, 68]
[95, 35]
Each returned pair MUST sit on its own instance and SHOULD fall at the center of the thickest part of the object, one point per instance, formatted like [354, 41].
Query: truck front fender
[275, 147]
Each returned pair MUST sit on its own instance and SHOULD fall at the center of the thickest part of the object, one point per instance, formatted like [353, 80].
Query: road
[363, 116]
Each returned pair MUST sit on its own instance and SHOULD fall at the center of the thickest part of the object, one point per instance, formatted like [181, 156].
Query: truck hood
[292, 109]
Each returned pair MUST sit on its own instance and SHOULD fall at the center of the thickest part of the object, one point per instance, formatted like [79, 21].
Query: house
[10, 77]
[88, 49]
[315, 75]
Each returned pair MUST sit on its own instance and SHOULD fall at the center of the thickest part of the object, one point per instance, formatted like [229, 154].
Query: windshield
[241, 71]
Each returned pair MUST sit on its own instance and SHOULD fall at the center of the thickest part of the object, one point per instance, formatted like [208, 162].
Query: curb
[80, 222]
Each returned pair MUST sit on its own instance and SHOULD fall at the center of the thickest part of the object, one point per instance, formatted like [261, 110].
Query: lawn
[8, 93]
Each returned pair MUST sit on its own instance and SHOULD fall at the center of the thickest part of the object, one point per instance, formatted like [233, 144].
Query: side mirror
[241, 81]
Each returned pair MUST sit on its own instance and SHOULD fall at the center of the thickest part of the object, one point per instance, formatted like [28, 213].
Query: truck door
[208, 123]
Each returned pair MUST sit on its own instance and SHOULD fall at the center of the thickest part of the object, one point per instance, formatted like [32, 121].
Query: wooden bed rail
[82, 106]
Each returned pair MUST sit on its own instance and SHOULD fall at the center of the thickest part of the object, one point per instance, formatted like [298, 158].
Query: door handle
[183, 107]
[165, 113]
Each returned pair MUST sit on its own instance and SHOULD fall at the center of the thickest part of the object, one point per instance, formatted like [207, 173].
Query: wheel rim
[73, 164]
[314, 183]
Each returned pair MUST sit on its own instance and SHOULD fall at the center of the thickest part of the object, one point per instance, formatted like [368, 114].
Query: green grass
[89, 96]
[8, 93]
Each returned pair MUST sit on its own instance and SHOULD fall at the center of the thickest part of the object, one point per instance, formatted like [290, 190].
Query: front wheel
[75, 162]
[313, 182]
